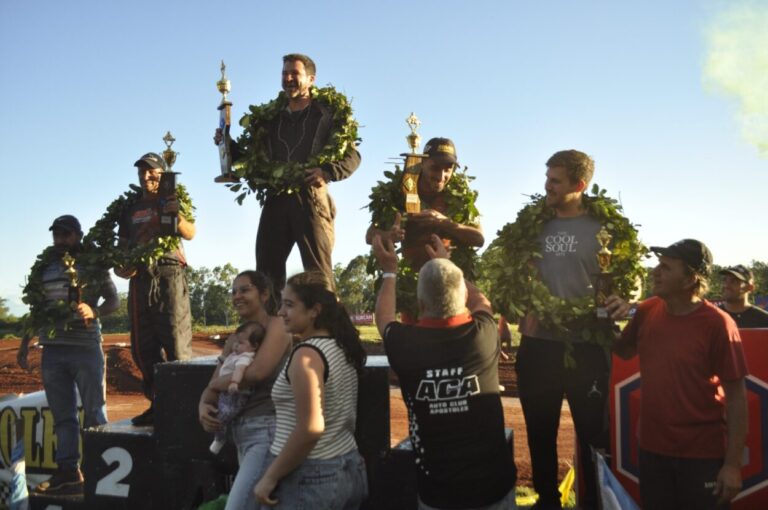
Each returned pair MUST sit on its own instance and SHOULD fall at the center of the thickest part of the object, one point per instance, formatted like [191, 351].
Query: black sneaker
[62, 483]
[145, 418]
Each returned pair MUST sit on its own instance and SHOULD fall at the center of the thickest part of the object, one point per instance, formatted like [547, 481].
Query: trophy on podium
[225, 120]
[412, 167]
[169, 222]
[604, 280]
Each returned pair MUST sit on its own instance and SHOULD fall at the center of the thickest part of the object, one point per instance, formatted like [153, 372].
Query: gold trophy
[604, 280]
[75, 288]
[410, 183]
[225, 121]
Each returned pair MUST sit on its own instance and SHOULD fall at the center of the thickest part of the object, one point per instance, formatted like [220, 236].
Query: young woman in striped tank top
[313, 460]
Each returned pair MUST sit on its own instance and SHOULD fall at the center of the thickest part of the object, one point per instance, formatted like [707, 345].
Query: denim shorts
[339, 483]
[252, 435]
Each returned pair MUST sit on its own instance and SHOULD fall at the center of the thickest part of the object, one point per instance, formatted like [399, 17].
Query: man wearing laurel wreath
[158, 296]
[72, 356]
[305, 218]
[437, 169]
[567, 266]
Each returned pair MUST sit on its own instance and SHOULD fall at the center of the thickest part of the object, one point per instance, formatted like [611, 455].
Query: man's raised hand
[435, 248]
[384, 251]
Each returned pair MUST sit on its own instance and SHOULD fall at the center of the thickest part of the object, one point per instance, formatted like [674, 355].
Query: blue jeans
[252, 435]
[339, 483]
[66, 368]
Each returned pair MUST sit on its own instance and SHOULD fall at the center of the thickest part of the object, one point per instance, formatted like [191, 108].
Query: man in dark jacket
[305, 218]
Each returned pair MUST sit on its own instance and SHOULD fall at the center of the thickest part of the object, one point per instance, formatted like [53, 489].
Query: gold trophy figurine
[225, 120]
[75, 288]
[410, 184]
[604, 280]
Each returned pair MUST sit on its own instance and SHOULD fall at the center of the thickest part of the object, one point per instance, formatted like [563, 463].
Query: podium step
[48, 502]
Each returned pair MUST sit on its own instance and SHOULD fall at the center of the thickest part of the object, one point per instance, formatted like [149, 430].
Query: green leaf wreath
[45, 316]
[516, 290]
[103, 235]
[264, 176]
[387, 199]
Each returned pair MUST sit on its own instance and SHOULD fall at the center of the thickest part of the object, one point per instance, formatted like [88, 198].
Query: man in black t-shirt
[447, 364]
[738, 282]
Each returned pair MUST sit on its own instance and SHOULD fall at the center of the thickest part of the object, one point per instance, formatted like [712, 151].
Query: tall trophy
[604, 280]
[412, 167]
[169, 222]
[74, 288]
[225, 121]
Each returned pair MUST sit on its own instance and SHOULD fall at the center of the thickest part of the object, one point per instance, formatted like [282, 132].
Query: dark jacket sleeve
[340, 170]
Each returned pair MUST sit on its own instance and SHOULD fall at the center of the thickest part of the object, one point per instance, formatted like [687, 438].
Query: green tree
[209, 295]
[117, 321]
[760, 270]
[354, 285]
[5, 312]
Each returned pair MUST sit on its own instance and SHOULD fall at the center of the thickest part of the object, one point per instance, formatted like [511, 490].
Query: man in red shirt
[691, 441]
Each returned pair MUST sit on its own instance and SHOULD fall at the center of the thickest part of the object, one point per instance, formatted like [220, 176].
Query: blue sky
[88, 86]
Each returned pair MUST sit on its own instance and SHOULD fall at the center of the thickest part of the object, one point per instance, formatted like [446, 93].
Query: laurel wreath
[103, 235]
[264, 176]
[387, 199]
[516, 290]
[44, 315]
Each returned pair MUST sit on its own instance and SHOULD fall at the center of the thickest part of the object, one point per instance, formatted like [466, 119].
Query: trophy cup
[74, 289]
[225, 120]
[412, 167]
[169, 222]
[604, 280]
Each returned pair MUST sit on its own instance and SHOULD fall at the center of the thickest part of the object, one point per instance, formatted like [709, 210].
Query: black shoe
[62, 483]
[145, 418]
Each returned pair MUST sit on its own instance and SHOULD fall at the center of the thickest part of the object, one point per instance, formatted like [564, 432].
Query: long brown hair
[312, 288]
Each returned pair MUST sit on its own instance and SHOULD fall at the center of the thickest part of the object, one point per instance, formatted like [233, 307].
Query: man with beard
[567, 267]
[158, 296]
[72, 357]
[437, 169]
[738, 282]
[305, 218]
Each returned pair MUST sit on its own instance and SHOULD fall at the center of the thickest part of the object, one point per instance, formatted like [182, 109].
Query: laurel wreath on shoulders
[516, 290]
[264, 176]
[103, 235]
[45, 316]
[387, 199]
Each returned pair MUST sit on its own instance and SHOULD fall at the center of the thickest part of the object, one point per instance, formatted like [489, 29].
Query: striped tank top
[339, 402]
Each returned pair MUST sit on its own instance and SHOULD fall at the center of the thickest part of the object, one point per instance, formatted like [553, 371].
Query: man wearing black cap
[72, 357]
[436, 172]
[297, 134]
[738, 282]
[158, 297]
[687, 458]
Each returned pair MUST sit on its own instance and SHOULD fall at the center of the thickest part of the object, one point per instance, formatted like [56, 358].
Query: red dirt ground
[124, 398]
